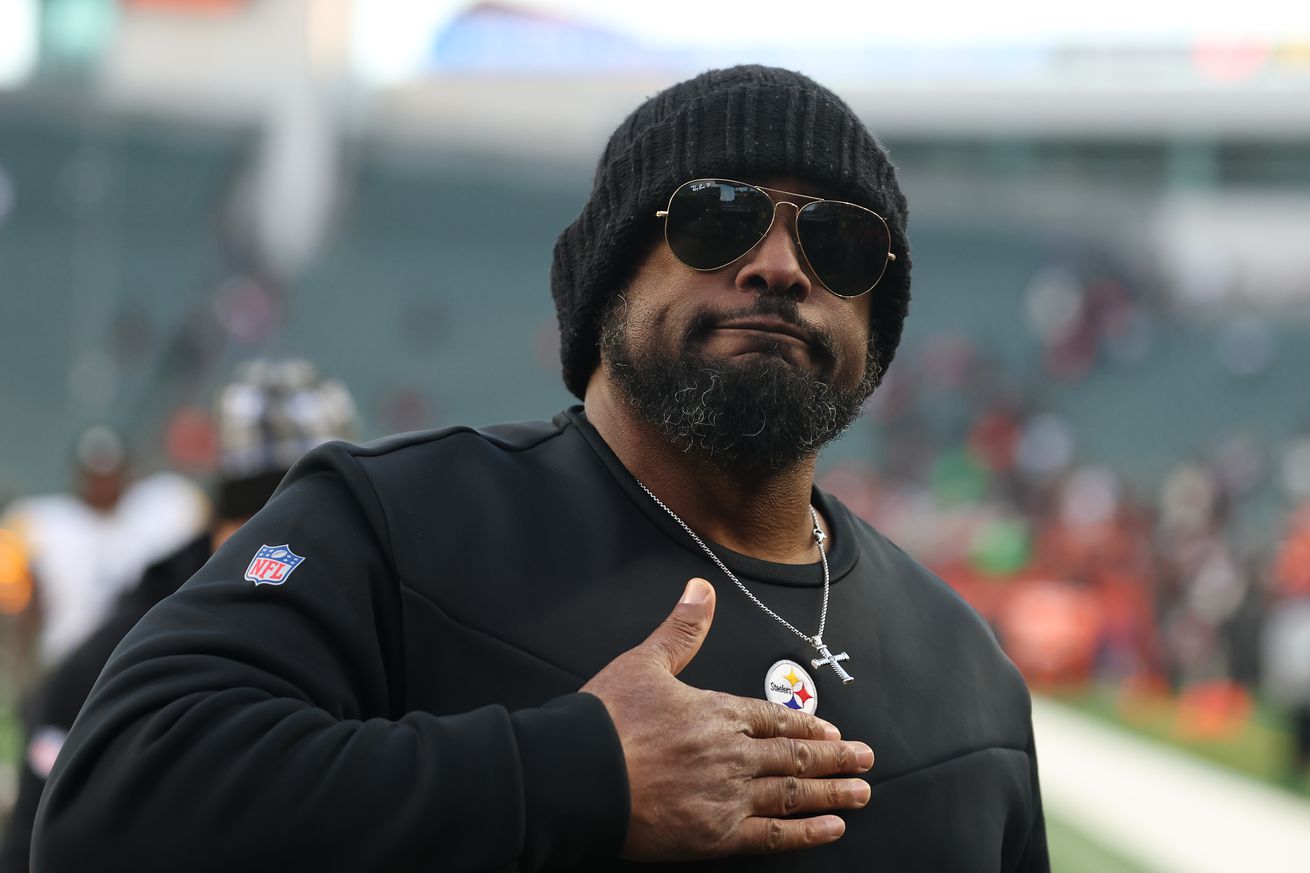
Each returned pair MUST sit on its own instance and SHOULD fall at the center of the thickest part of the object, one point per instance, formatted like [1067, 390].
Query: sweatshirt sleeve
[1036, 856]
[263, 726]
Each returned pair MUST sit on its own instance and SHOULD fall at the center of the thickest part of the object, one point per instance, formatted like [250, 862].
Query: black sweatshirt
[406, 696]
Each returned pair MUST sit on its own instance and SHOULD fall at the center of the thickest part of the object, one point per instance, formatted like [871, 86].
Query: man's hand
[712, 774]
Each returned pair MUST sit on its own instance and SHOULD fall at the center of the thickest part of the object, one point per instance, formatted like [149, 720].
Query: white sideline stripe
[1166, 809]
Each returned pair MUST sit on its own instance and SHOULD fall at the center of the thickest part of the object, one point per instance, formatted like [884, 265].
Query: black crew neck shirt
[406, 697]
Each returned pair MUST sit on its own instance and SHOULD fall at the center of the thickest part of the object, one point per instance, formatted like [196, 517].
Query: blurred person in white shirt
[86, 548]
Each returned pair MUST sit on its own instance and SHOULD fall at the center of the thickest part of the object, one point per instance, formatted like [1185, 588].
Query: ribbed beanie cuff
[749, 123]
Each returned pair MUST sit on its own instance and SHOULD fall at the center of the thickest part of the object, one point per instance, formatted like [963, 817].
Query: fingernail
[697, 591]
[861, 792]
[830, 731]
[863, 756]
[834, 826]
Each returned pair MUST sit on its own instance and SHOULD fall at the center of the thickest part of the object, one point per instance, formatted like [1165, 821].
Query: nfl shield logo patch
[272, 565]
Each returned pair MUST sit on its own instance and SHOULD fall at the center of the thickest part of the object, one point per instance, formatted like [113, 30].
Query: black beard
[755, 415]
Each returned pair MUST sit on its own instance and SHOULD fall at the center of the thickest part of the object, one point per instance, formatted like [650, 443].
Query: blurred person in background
[267, 416]
[436, 651]
[84, 549]
[1285, 643]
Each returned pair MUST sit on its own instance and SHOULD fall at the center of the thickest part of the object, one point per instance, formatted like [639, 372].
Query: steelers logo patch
[787, 684]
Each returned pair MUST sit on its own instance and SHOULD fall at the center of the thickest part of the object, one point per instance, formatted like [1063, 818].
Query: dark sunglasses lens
[846, 246]
[712, 223]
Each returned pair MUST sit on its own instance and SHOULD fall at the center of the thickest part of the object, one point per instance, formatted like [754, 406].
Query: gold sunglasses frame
[770, 192]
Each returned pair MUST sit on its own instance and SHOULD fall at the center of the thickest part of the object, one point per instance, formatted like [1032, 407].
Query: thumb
[677, 640]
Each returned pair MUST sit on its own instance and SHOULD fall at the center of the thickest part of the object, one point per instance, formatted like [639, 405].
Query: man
[86, 548]
[463, 657]
[268, 415]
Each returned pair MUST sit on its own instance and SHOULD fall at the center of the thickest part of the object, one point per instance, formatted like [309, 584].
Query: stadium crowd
[1091, 576]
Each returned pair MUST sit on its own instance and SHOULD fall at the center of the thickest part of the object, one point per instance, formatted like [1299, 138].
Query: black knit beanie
[746, 122]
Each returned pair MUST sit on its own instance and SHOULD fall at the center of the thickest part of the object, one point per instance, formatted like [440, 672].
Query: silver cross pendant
[831, 660]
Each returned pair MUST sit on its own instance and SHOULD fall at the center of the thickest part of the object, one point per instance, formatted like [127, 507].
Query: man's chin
[746, 412]
[743, 408]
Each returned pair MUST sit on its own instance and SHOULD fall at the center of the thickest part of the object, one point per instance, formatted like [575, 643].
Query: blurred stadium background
[1097, 428]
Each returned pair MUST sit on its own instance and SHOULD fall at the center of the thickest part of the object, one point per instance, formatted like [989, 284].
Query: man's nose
[776, 265]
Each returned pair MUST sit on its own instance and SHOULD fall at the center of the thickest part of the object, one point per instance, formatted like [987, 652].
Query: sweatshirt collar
[841, 559]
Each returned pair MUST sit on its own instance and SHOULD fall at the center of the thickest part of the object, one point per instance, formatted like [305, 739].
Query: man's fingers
[759, 836]
[677, 640]
[764, 719]
[784, 756]
[787, 795]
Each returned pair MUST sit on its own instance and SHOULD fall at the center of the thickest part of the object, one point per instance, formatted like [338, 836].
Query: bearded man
[454, 650]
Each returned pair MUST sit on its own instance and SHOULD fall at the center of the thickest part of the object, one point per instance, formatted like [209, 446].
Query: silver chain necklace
[828, 658]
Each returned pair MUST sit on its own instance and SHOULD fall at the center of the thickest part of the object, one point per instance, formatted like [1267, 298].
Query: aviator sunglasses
[709, 223]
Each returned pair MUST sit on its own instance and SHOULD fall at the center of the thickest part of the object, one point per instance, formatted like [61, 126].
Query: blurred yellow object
[15, 575]
[1293, 55]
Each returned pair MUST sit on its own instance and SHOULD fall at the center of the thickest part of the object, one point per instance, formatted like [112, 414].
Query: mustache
[786, 309]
